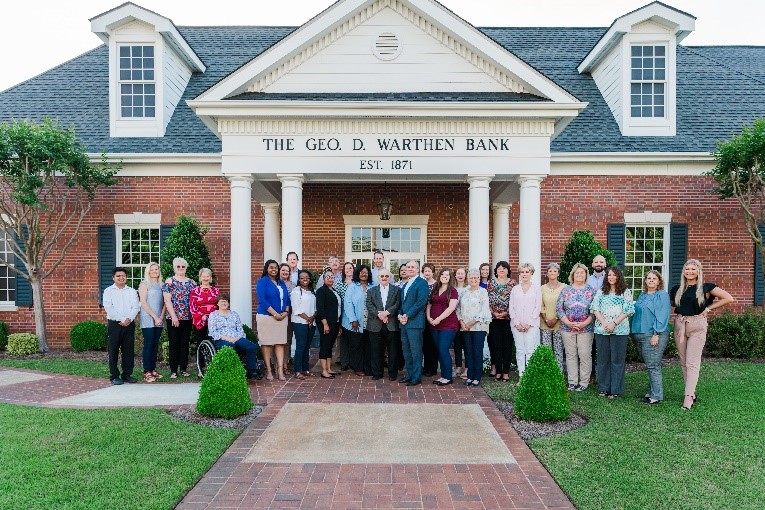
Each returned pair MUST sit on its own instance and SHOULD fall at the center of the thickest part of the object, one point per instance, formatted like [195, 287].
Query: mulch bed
[239, 423]
[528, 429]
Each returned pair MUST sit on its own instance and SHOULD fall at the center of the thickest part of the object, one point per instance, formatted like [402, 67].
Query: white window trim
[9, 306]
[652, 219]
[649, 126]
[371, 221]
[134, 220]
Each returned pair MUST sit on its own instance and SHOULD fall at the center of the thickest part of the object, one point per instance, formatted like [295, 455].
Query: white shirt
[303, 301]
[384, 293]
[121, 304]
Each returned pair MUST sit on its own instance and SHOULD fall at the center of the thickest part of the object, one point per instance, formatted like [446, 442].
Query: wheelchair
[207, 349]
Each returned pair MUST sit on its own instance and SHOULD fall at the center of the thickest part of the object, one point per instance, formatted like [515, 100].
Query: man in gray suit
[411, 317]
[383, 302]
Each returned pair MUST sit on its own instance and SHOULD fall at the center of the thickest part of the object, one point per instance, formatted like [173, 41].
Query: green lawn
[94, 459]
[89, 368]
[634, 456]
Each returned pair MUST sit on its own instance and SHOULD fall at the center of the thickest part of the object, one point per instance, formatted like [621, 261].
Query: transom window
[648, 81]
[7, 276]
[646, 248]
[136, 247]
[399, 244]
[137, 85]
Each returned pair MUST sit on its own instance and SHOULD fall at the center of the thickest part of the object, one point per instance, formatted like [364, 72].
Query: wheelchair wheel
[205, 352]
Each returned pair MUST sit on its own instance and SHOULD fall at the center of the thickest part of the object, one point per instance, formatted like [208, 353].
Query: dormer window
[137, 81]
[648, 81]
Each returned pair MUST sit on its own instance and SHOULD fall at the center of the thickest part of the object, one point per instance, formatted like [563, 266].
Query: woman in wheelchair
[225, 328]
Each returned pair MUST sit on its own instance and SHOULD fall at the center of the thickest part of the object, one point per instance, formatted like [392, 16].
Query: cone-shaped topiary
[224, 392]
[542, 395]
[186, 240]
[583, 247]
[88, 336]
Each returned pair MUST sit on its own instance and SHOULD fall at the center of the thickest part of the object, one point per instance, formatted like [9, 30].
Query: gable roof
[714, 99]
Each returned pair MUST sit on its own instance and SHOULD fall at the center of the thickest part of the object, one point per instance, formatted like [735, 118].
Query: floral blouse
[179, 297]
[202, 302]
[574, 304]
[226, 325]
[610, 307]
[474, 305]
[499, 295]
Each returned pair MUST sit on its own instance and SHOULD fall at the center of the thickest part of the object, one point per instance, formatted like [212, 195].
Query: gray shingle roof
[719, 90]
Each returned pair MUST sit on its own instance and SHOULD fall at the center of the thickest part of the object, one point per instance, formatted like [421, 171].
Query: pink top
[525, 307]
[438, 304]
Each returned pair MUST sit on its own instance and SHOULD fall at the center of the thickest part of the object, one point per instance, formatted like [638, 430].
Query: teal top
[610, 307]
[651, 313]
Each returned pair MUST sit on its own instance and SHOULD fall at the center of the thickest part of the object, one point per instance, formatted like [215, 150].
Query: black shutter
[164, 232]
[107, 258]
[759, 287]
[615, 240]
[678, 251]
[23, 288]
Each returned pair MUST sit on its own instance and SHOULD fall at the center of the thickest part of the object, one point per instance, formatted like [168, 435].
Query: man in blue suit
[414, 298]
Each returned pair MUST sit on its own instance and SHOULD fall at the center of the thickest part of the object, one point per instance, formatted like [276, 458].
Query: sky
[37, 35]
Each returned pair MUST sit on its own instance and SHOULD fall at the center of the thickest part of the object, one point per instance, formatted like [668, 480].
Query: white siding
[608, 78]
[176, 77]
[349, 64]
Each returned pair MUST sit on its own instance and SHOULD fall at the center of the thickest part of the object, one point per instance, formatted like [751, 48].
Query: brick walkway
[43, 391]
[233, 483]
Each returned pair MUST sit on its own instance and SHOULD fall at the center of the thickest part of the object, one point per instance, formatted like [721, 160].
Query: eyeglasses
[180, 267]
[384, 276]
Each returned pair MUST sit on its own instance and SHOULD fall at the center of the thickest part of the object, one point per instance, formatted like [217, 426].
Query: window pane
[647, 51]
[637, 51]
[124, 51]
[659, 51]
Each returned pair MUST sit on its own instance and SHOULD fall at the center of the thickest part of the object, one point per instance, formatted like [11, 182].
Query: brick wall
[716, 234]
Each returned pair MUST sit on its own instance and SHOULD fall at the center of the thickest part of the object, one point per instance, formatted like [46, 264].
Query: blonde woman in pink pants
[693, 300]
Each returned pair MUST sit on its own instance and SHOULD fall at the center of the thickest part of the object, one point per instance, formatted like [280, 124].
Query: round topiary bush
[22, 344]
[3, 334]
[88, 336]
[542, 395]
[224, 392]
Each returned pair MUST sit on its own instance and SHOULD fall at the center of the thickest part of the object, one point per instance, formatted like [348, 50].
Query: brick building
[492, 144]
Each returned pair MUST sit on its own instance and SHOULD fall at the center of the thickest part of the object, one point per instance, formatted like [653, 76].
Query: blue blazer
[413, 305]
[268, 295]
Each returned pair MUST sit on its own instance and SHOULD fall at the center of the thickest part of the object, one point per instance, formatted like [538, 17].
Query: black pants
[326, 341]
[121, 338]
[502, 337]
[459, 347]
[199, 335]
[178, 340]
[360, 353]
[380, 341]
[429, 353]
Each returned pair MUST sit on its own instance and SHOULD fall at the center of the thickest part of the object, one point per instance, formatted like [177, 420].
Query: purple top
[438, 304]
[574, 304]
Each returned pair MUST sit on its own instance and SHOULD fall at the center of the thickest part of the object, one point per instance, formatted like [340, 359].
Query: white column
[292, 214]
[500, 248]
[241, 277]
[478, 219]
[272, 248]
[530, 223]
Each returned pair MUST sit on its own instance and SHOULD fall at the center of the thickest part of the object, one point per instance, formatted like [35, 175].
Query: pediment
[430, 49]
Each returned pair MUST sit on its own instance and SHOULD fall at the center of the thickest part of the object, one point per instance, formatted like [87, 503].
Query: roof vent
[386, 46]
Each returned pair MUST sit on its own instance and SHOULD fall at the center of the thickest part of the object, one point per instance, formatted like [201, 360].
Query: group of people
[415, 322]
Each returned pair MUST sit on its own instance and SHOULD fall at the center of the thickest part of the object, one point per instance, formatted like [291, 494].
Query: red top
[202, 302]
[438, 304]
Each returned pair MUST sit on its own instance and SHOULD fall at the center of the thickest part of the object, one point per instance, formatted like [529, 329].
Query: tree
[740, 173]
[47, 187]
[582, 247]
[186, 240]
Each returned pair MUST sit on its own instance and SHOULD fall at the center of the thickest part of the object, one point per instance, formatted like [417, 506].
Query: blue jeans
[411, 344]
[150, 347]
[611, 357]
[474, 353]
[243, 345]
[303, 336]
[444, 338]
[652, 357]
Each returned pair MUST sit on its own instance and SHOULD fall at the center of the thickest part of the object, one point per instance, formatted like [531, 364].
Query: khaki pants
[578, 357]
[690, 337]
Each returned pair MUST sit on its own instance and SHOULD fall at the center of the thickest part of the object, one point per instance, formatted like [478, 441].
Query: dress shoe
[443, 383]
[376, 377]
[359, 373]
[413, 383]
[404, 380]
[117, 381]
[392, 378]
[131, 380]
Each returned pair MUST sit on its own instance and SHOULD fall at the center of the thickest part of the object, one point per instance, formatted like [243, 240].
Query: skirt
[271, 331]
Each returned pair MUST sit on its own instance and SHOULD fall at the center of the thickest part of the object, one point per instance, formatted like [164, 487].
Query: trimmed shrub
[186, 240]
[4, 329]
[582, 247]
[88, 336]
[224, 392]
[252, 337]
[542, 395]
[23, 344]
[736, 335]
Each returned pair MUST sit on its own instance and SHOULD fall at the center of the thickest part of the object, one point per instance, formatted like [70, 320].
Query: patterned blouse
[225, 325]
[474, 305]
[202, 301]
[610, 307]
[499, 295]
[574, 304]
[179, 297]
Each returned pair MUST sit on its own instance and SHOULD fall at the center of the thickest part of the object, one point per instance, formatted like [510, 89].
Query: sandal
[299, 376]
[156, 375]
[173, 376]
[185, 374]
[148, 377]
[269, 375]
